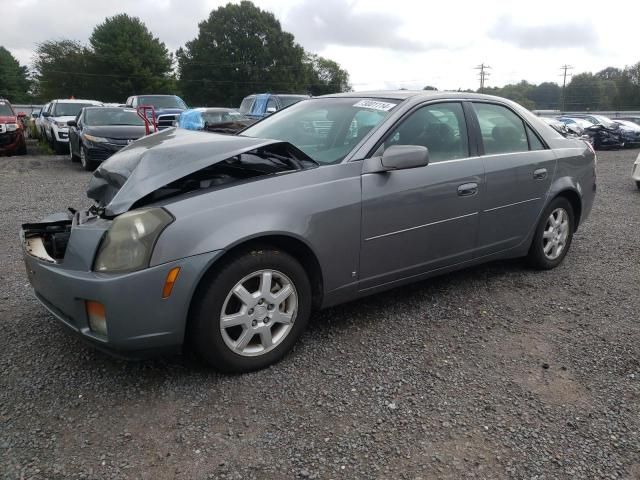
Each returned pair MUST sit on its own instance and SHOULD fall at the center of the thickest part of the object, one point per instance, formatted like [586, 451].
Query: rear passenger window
[440, 127]
[502, 130]
[534, 140]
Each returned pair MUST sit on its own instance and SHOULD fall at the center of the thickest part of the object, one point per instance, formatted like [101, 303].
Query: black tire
[88, 164]
[204, 332]
[74, 158]
[22, 150]
[58, 147]
[537, 257]
[638, 184]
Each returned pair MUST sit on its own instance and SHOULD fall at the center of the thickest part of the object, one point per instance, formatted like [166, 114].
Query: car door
[422, 219]
[519, 169]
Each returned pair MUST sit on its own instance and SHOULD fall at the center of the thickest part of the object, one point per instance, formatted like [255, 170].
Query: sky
[383, 44]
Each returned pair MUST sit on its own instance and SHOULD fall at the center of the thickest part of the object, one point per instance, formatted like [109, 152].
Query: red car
[12, 138]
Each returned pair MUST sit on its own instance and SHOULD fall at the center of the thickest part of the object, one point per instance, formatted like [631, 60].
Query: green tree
[14, 79]
[60, 70]
[429, 87]
[126, 59]
[325, 76]
[241, 49]
[584, 92]
[545, 96]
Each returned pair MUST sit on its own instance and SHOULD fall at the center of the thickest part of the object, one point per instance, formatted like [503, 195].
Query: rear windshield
[287, 100]
[162, 101]
[219, 117]
[245, 106]
[68, 109]
[111, 116]
[5, 109]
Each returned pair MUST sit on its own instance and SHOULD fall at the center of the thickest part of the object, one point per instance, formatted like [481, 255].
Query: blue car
[262, 104]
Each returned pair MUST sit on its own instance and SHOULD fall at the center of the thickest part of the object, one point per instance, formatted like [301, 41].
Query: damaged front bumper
[58, 255]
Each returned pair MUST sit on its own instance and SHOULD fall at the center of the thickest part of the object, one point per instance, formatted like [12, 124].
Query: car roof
[414, 94]
[75, 100]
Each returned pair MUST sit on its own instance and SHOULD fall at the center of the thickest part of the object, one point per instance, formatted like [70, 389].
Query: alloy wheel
[556, 233]
[258, 313]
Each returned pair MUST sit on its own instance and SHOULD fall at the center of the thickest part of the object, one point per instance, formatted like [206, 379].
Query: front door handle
[540, 174]
[467, 189]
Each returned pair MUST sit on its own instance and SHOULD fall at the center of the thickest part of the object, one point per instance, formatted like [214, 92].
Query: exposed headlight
[129, 242]
[12, 127]
[61, 124]
[91, 138]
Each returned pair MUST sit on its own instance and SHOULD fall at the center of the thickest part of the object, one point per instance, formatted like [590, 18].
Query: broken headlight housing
[129, 242]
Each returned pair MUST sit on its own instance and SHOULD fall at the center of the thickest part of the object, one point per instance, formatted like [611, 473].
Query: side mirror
[46, 114]
[72, 123]
[271, 110]
[398, 157]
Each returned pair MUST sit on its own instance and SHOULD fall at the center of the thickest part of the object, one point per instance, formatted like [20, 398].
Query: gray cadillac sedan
[227, 243]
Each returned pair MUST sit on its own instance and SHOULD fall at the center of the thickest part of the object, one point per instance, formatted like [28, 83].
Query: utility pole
[483, 74]
[565, 68]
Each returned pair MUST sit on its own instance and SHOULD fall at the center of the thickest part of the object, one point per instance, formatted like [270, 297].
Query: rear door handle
[540, 174]
[467, 189]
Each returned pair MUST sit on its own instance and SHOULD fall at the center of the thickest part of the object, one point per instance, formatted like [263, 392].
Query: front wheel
[251, 311]
[88, 164]
[553, 235]
[72, 155]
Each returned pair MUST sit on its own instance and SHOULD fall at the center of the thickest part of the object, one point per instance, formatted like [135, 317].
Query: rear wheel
[638, 184]
[553, 235]
[72, 156]
[22, 149]
[251, 312]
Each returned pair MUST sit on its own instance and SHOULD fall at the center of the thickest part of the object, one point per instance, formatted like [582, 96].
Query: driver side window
[440, 127]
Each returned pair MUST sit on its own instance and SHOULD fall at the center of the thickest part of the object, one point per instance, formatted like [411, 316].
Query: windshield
[162, 101]
[326, 129]
[68, 109]
[98, 117]
[604, 121]
[6, 110]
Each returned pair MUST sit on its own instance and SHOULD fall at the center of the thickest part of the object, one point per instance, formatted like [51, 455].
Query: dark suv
[167, 107]
[12, 139]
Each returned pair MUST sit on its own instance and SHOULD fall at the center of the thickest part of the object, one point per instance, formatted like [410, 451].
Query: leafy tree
[127, 59]
[545, 96]
[14, 81]
[241, 49]
[325, 76]
[584, 92]
[429, 87]
[60, 70]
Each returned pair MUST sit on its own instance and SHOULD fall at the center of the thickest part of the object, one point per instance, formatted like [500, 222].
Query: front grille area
[166, 121]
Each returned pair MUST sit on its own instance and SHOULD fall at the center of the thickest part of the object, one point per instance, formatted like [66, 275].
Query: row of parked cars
[91, 131]
[601, 131]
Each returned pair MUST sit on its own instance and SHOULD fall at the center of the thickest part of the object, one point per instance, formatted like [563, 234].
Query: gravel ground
[494, 372]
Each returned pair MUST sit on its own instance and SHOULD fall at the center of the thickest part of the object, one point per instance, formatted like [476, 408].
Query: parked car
[219, 120]
[630, 132]
[262, 104]
[56, 118]
[167, 107]
[631, 118]
[41, 121]
[567, 129]
[12, 136]
[635, 174]
[602, 136]
[99, 132]
[227, 242]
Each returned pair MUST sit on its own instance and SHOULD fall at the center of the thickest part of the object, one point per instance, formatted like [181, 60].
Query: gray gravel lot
[494, 372]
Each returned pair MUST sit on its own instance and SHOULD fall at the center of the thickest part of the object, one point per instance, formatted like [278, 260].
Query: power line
[565, 67]
[483, 74]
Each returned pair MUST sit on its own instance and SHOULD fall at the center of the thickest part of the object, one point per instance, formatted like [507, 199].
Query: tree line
[240, 49]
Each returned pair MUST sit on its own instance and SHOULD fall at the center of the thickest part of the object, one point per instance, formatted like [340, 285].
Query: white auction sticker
[375, 105]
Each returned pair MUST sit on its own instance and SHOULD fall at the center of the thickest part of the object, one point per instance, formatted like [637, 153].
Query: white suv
[55, 119]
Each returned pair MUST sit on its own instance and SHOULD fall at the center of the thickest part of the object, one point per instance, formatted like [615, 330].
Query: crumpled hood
[157, 160]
